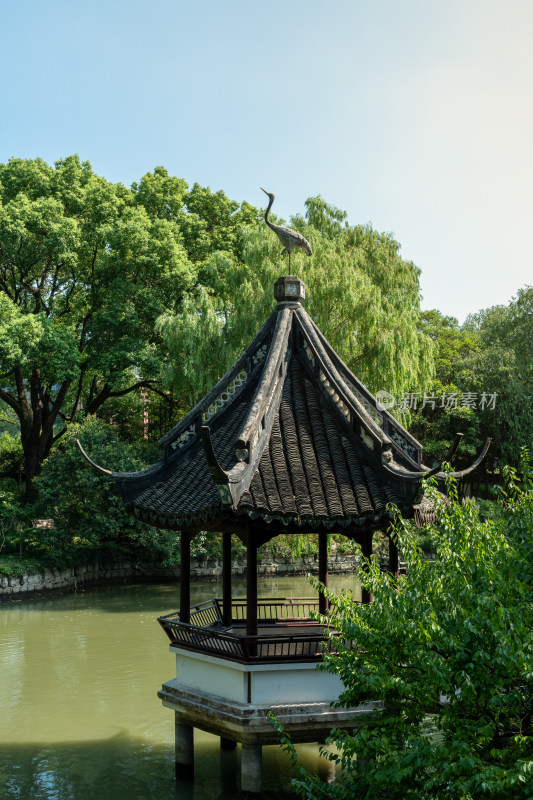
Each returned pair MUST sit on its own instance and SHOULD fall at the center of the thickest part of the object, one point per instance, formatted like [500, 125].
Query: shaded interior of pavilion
[255, 628]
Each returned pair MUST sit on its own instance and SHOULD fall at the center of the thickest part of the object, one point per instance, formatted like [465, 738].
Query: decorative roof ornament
[289, 289]
[289, 239]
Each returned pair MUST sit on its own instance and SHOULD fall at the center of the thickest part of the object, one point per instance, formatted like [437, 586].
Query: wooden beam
[185, 577]
[226, 579]
[323, 573]
[251, 585]
[366, 546]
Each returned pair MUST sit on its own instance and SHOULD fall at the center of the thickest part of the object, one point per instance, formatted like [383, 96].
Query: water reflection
[80, 717]
[121, 767]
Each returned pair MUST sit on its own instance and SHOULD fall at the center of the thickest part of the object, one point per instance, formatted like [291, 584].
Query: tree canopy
[486, 366]
[86, 269]
[107, 291]
[84, 273]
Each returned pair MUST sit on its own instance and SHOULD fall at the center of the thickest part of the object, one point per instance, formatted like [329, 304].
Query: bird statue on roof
[288, 238]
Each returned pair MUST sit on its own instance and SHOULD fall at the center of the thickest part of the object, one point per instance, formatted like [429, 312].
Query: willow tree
[361, 293]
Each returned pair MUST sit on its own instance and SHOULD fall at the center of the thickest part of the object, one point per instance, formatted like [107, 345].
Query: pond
[80, 717]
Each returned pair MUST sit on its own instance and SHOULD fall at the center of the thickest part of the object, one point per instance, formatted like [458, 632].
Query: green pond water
[79, 715]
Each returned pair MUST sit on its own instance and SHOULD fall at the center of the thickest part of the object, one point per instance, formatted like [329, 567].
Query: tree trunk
[33, 467]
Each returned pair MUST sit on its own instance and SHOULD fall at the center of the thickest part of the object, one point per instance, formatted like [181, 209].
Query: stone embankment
[93, 574]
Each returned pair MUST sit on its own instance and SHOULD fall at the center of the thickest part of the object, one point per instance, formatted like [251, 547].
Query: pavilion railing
[205, 632]
[207, 613]
[275, 609]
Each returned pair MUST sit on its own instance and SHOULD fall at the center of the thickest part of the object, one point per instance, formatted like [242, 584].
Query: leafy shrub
[11, 455]
[449, 652]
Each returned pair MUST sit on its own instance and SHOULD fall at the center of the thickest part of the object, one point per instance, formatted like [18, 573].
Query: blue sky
[414, 115]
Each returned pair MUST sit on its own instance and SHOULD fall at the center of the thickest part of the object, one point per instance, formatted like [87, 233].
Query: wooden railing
[275, 609]
[205, 632]
[207, 613]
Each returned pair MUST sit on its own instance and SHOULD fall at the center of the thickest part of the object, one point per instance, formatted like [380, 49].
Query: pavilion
[288, 441]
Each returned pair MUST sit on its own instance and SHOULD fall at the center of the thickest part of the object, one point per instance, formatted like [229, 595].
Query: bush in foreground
[449, 651]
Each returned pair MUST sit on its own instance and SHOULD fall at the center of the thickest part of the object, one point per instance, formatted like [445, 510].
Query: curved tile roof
[288, 437]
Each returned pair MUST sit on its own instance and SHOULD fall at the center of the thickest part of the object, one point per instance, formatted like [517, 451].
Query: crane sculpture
[288, 238]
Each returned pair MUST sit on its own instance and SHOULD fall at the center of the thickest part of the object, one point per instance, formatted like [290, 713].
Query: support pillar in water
[227, 744]
[326, 770]
[184, 739]
[251, 757]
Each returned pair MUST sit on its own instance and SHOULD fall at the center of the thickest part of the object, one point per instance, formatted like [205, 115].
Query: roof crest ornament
[289, 239]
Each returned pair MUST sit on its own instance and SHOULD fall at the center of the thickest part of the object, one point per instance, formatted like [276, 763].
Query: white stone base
[233, 700]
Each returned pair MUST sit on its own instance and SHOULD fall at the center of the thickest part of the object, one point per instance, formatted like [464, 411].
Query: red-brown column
[226, 579]
[366, 547]
[323, 574]
[185, 578]
[251, 585]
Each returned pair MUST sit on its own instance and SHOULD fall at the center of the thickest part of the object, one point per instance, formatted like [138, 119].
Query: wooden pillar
[185, 578]
[226, 579]
[367, 596]
[251, 763]
[323, 602]
[184, 742]
[251, 585]
[393, 557]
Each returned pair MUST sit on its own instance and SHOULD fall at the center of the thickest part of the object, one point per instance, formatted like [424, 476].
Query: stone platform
[233, 700]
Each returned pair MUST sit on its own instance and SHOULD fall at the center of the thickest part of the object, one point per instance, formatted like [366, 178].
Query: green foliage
[84, 272]
[491, 354]
[11, 455]
[89, 518]
[362, 295]
[14, 565]
[505, 363]
[437, 426]
[449, 652]
[208, 221]
[15, 516]
[86, 269]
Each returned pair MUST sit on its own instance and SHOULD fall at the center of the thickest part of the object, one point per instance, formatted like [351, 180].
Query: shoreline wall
[130, 572]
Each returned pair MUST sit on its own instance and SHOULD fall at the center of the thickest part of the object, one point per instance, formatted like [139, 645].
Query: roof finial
[289, 289]
[288, 238]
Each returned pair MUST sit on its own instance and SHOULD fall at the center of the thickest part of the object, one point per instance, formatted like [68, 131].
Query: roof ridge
[223, 383]
[256, 429]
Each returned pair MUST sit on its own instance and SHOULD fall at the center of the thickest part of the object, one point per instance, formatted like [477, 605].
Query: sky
[413, 115]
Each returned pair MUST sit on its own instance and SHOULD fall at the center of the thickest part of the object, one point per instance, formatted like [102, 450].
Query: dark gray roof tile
[313, 470]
